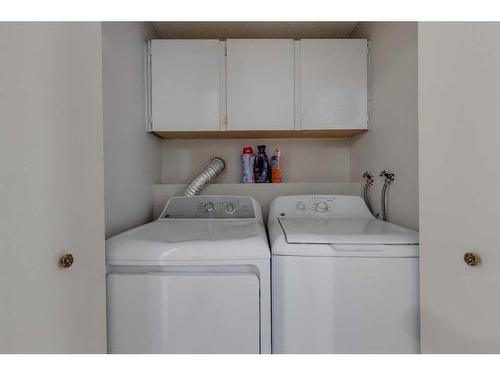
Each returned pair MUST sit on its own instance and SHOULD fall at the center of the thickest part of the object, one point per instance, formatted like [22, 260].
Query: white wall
[303, 160]
[392, 141]
[131, 156]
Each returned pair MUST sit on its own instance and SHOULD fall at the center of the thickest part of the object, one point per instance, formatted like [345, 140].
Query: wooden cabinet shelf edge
[335, 133]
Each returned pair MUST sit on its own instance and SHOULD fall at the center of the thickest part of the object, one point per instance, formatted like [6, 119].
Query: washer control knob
[301, 206]
[209, 208]
[230, 209]
[321, 207]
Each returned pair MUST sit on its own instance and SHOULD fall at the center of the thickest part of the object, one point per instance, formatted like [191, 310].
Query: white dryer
[342, 280]
[197, 280]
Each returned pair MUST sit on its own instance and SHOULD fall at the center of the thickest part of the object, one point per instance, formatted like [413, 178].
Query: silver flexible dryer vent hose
[205, 177]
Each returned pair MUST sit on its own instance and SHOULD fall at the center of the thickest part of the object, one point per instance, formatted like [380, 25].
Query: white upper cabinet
[333, 84]
[185, 85]
[257, 85]
[260, 84]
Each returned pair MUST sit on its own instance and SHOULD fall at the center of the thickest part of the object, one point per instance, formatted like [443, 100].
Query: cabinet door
[333, 83]
[185, 85]
[459, 162]
[51, 188]
[260, 84]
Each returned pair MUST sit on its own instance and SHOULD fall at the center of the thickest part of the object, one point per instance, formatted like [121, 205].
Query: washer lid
[187, 240]
[367, 231]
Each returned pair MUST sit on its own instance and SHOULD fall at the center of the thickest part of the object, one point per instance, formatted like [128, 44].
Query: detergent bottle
[262, 169]
[275, 166]
[247, 162]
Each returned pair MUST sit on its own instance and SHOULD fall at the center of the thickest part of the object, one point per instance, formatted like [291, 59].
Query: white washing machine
[197, 280]
[342, 280]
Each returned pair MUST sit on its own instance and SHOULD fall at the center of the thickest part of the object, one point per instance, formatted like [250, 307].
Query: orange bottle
[275, 166]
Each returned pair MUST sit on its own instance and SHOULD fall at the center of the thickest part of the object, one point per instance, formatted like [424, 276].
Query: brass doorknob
[66, 260]
[471, 259]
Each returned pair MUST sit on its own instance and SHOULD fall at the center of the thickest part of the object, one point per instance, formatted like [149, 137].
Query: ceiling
[223, 30]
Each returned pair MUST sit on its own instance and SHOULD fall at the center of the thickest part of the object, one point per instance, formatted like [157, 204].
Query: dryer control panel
[209, 207]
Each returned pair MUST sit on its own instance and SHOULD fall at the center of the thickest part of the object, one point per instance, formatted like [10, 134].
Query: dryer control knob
[321, 207]
[209, 208]
[230, 209]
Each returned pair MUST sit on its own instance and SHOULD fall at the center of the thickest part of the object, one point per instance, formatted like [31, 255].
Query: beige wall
[303, 160]
[131, 156]
[391, 142]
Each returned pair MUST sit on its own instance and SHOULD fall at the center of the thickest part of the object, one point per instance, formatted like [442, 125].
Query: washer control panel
[319, 204]
[209, 207]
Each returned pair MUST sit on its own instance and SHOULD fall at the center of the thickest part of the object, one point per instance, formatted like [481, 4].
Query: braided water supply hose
[205, 177]
[388, 178]
[366, 190]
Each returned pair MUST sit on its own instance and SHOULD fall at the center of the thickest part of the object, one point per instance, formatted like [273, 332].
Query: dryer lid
[168, 240]
[366, 231]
